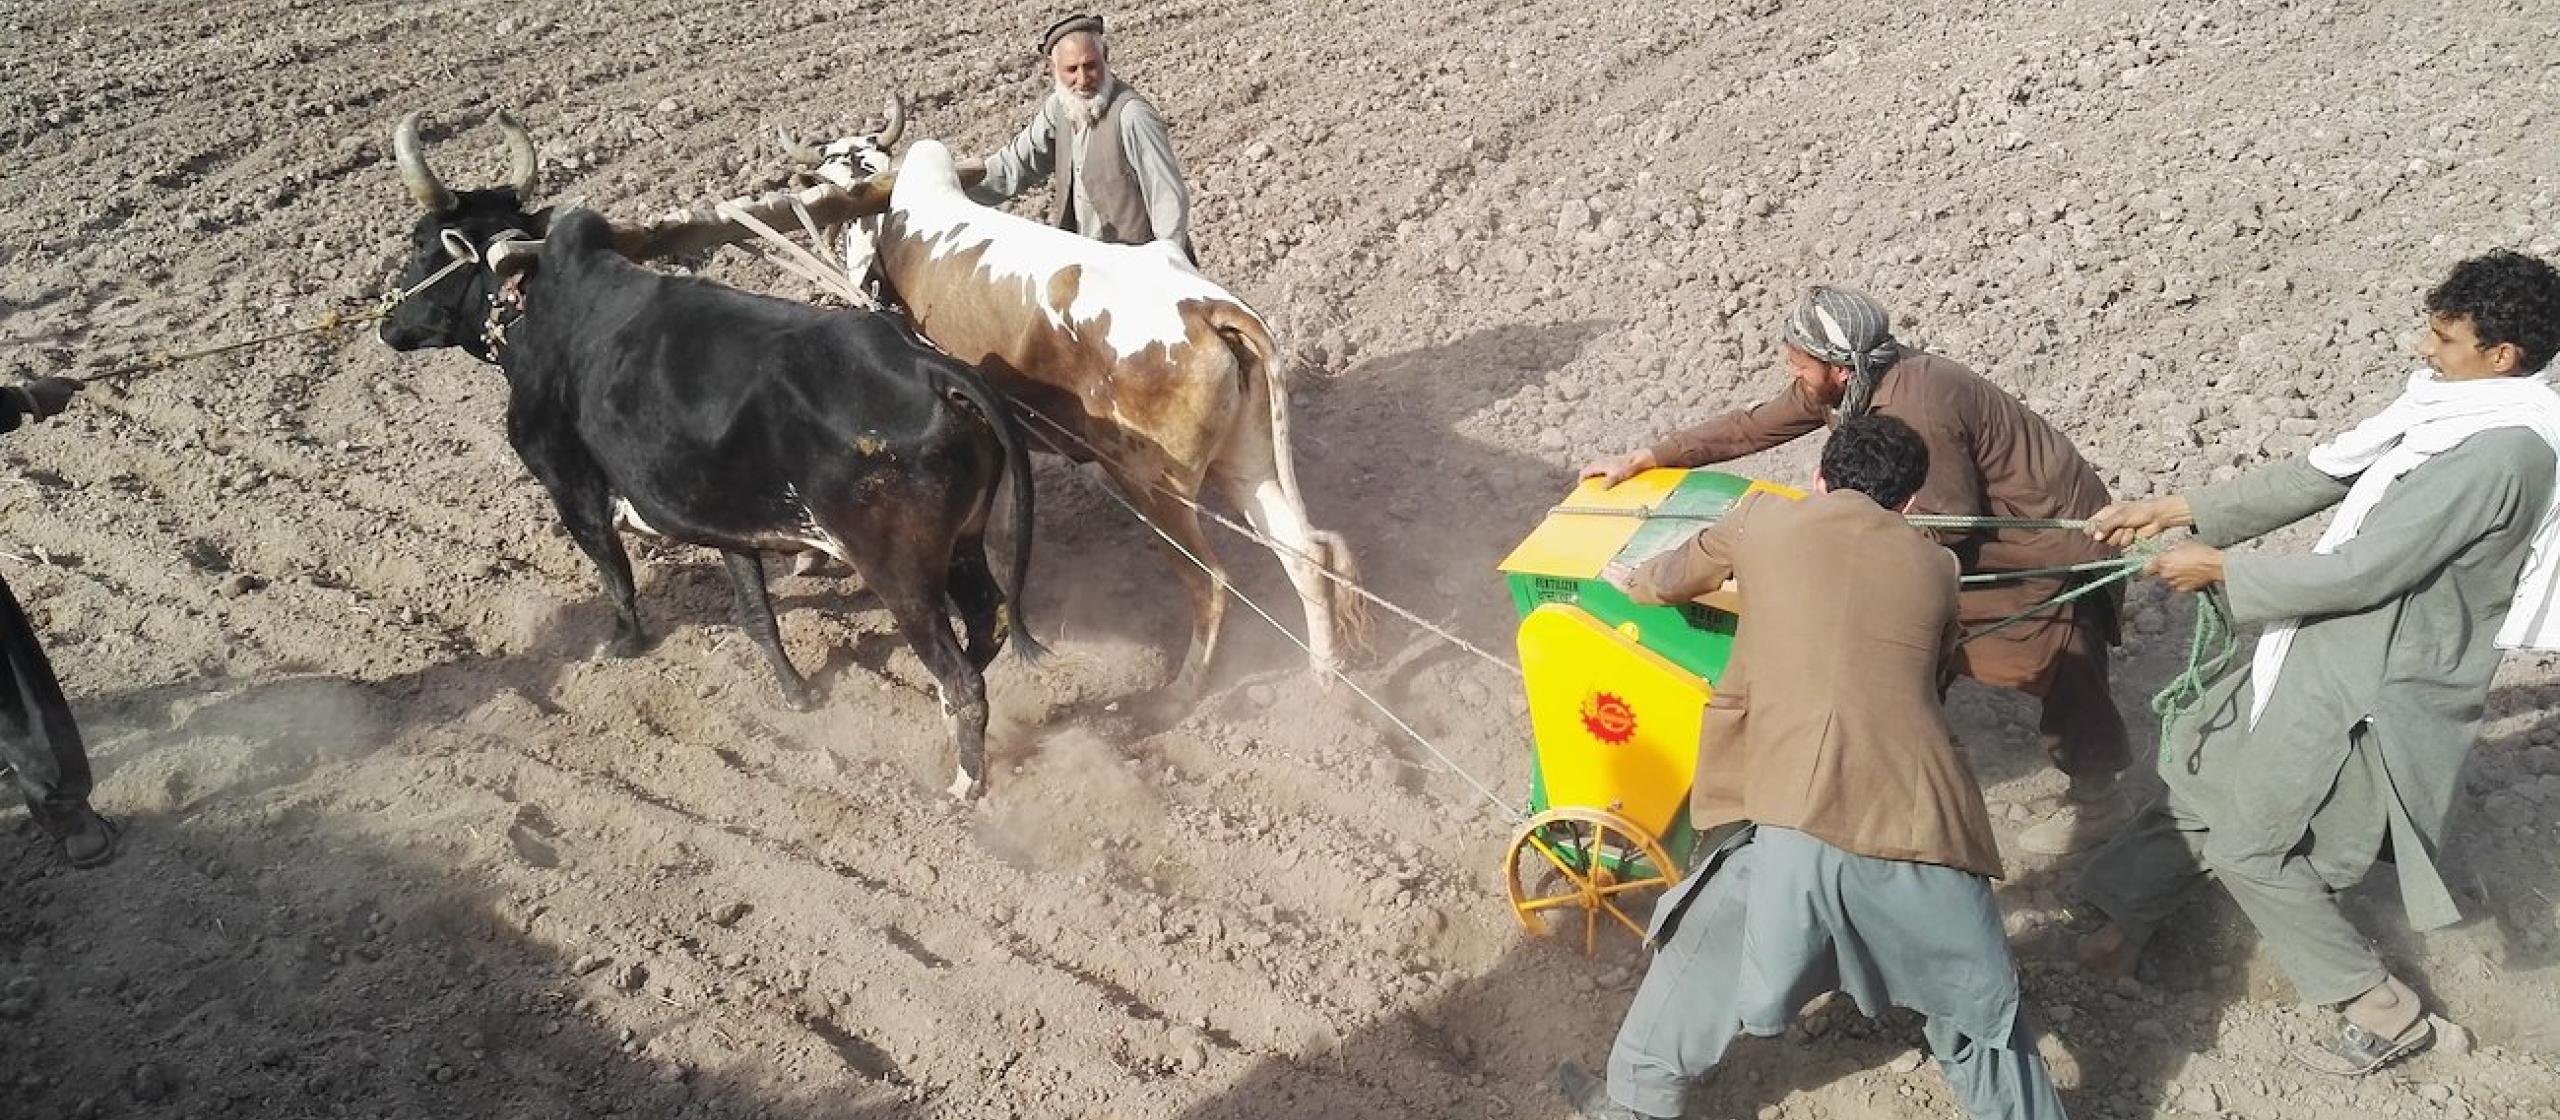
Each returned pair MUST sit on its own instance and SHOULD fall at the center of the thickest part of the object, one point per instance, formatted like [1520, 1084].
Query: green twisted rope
[2116, 571]
[2210, 651]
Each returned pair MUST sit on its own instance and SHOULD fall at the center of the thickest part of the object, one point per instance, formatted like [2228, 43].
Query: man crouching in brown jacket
[1856, 855]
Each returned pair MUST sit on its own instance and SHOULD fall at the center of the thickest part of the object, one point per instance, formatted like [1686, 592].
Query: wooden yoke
[691, 231]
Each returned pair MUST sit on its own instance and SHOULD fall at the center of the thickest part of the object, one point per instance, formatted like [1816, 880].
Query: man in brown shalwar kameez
[1989, 454]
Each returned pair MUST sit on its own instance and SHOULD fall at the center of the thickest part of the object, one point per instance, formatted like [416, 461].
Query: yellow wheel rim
[1561, 860]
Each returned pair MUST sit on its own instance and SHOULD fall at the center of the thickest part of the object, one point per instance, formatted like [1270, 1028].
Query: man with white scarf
[1106, 146]
[2340, 738]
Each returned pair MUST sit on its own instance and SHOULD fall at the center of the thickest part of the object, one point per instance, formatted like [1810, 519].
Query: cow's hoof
[965, 789]
[815, 563]
[625, 646]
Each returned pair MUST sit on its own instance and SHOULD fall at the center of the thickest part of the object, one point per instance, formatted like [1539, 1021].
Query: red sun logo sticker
[1608, 718]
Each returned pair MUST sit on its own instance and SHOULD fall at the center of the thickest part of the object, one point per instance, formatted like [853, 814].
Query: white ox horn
[794, 152]
[512, 256]
[897, 126]
[414, 173]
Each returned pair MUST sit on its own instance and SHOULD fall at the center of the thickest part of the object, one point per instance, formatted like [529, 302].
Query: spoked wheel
[1576, 858]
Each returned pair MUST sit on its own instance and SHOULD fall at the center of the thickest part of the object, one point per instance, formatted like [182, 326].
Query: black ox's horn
[422, 182]
[525, 170]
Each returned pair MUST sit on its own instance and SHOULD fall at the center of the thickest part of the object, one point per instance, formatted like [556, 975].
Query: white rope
[801, 261]
[792, 258]
[1267, 541]
[329, 321]
[807, 264]
[1445, 761]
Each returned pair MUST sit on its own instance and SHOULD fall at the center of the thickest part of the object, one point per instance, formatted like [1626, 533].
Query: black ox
[728, 419]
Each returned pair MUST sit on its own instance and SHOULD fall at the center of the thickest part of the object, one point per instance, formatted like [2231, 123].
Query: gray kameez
[1026, 161]
[1776, 917]
[2364, 736]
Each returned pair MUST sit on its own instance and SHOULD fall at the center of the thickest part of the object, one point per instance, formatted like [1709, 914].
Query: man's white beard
[1082, 111]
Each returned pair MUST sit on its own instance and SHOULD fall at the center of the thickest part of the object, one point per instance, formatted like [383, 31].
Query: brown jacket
[1827, 720]
[1989, 454]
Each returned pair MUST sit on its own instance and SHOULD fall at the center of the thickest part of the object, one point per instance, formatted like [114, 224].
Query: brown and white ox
[1166, 379]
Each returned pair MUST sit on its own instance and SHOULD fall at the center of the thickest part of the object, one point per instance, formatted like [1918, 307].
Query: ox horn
[422, 183]
[897, 126]
[525, 170]
[794, 152]
[512, 256]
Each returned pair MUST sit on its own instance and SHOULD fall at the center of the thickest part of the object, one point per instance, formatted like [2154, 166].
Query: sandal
[2080, 919]
[2357, 1051]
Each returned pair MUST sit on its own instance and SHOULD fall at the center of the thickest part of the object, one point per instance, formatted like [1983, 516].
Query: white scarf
[2432, 417]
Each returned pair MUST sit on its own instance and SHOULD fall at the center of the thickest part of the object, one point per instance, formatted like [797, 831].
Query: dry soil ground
[398, 849]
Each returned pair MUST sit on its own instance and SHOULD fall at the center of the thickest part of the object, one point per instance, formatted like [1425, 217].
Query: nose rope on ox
[330, 321]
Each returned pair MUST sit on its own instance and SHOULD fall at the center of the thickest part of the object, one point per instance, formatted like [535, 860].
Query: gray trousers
[2142, 875]
[1763, 927]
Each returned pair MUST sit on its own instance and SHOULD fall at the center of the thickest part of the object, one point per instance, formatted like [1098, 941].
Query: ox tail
[1265, 365]
[972, 389]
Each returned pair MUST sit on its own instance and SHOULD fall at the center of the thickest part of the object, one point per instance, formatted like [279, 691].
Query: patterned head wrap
[1069, 26]
[1842, 327]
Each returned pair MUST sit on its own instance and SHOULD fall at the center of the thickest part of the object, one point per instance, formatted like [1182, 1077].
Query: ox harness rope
[2107, 572]
[2211, 648]
[329, 321]
[2210, 651]
[1504, 807]
[506, 308]
[2211, 630]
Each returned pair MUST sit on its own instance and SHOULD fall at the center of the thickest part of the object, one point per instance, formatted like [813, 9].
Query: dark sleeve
[1958, 426]
[1744, 431]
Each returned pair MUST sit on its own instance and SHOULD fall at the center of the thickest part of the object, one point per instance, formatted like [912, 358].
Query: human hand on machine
[2123, 523]
[1620, 575]
[1613, 471]
[2188, 567]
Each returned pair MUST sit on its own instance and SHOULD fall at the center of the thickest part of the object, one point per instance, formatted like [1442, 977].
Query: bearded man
[1856, 854]
[1107, 147]
[1988, 454]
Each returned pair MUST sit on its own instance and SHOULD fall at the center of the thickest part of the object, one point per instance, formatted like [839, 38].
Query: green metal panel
[1696, 638]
